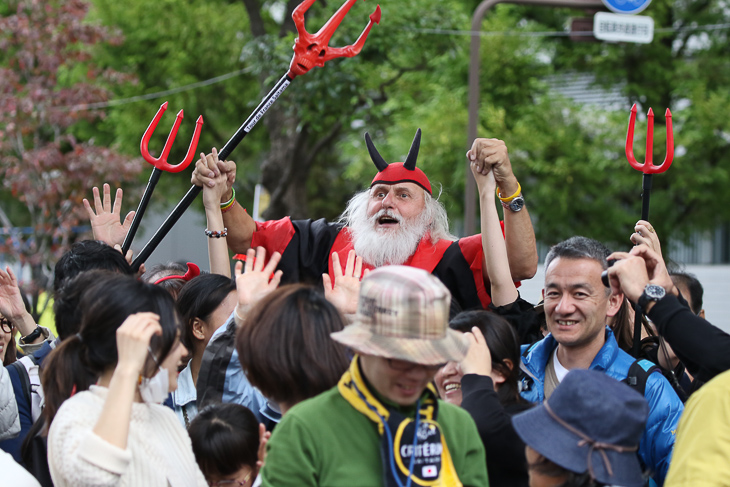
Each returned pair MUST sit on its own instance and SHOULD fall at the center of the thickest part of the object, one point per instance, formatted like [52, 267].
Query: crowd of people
[377, 350]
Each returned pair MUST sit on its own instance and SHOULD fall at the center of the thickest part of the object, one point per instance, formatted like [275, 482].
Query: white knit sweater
[158, 450]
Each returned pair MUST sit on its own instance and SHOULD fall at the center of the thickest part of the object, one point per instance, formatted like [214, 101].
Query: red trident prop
[309, 51]
[313, 50]
[160, 164]
[648, 168]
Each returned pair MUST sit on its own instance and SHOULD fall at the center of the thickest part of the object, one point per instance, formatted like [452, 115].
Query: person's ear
[615, 301]
[701, 314]
[198, 329]
[497, 376]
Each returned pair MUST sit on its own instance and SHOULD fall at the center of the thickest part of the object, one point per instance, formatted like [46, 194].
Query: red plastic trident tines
[161, 162]
[648, 166]
[312, 50]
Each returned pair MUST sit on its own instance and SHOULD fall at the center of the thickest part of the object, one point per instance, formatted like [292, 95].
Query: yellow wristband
[509, 198]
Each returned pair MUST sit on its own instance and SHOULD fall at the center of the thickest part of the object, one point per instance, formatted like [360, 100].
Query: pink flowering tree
[47, 77]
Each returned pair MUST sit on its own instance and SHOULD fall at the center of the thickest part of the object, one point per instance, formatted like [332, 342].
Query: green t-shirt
[325, 442]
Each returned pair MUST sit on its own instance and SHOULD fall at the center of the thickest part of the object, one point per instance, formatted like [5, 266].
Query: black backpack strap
[24, 381]
[639, 373]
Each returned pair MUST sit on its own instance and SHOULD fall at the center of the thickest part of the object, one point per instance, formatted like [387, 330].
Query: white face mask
[155, 389]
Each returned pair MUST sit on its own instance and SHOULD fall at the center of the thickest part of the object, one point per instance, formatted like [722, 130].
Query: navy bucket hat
[591, 423]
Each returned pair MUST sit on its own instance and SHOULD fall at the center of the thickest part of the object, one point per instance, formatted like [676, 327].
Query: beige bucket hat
[403, 313]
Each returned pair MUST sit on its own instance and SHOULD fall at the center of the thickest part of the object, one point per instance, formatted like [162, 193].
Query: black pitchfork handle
[194, 191]
[154, 178]
[638, 312]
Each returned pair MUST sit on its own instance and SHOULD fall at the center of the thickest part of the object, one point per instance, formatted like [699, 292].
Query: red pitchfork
[160, 164]
[648, 168]
[310, 50]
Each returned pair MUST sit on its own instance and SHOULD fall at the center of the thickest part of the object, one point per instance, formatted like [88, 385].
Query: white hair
[393, 248]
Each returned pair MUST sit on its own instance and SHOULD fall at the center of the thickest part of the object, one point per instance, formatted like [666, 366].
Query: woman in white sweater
[111, 429]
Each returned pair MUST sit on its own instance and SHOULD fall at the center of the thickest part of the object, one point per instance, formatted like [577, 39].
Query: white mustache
[386, 212]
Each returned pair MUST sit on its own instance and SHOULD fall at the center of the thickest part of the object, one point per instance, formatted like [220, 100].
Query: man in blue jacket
[577, 307]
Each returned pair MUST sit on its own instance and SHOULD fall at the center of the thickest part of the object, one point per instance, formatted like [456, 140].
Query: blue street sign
[626, 6]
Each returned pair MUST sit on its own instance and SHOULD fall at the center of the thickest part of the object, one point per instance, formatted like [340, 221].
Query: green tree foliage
[308, 150]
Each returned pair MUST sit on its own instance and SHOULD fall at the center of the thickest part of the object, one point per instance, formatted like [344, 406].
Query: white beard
[387, 246]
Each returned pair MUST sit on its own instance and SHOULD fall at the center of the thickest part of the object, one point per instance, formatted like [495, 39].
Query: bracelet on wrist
[509, 198]
[229, 204]
[214, 234]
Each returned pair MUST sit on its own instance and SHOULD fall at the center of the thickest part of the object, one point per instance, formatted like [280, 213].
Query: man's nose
[388, 200]
[565, 305]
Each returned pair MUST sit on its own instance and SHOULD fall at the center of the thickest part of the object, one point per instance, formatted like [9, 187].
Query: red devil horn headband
[399, 172]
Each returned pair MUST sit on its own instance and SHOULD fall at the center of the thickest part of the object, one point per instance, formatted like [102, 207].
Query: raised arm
[495, 263]
[239, 223]
[216, 229]
[491, 155]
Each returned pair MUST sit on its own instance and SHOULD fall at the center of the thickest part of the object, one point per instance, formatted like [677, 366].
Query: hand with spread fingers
[478, 359]
[257, 280]
[645, 234]
[344, 293]
[105, 222]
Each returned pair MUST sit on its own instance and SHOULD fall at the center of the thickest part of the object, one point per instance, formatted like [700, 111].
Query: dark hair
[503, 344]
[694, 287]
[11, 348]
[86, 255]
[285, 347]
[157, 271]
[79, 361]
[225, 437]
[199, 298]
[622, 325]
[66, 309]
[579, 248]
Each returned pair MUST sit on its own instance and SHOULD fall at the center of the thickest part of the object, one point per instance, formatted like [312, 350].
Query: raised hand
[645, 234]
[344, 294]
[256, 281]
[105, 222]
[11, 302]
[210, 167]
[214, 193]
[133, 340]
[478, 359]
[491, 155]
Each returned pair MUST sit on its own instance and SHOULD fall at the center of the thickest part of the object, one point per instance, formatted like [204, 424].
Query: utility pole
[476, 27]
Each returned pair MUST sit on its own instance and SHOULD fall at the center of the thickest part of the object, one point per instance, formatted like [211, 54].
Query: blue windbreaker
[665, 407]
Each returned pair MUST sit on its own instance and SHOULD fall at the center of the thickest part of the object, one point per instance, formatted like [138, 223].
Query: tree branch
[256, 23]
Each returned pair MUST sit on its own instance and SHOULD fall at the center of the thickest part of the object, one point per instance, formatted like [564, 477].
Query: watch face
[517, 203]
[654, 291]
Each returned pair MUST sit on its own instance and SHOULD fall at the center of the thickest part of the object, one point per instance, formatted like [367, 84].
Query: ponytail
[65, 372]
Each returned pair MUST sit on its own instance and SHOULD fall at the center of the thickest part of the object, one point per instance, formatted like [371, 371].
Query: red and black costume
[306, 246]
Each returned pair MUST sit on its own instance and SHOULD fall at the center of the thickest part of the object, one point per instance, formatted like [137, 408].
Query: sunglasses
[6, 325]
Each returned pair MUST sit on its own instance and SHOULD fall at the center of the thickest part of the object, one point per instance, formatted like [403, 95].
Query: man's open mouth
[387, 220]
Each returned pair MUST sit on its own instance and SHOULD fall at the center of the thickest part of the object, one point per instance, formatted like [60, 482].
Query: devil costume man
[307, 246]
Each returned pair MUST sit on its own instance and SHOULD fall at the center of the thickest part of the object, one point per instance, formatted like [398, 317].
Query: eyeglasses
[223, 483]
[405, 366]
[6, 325]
